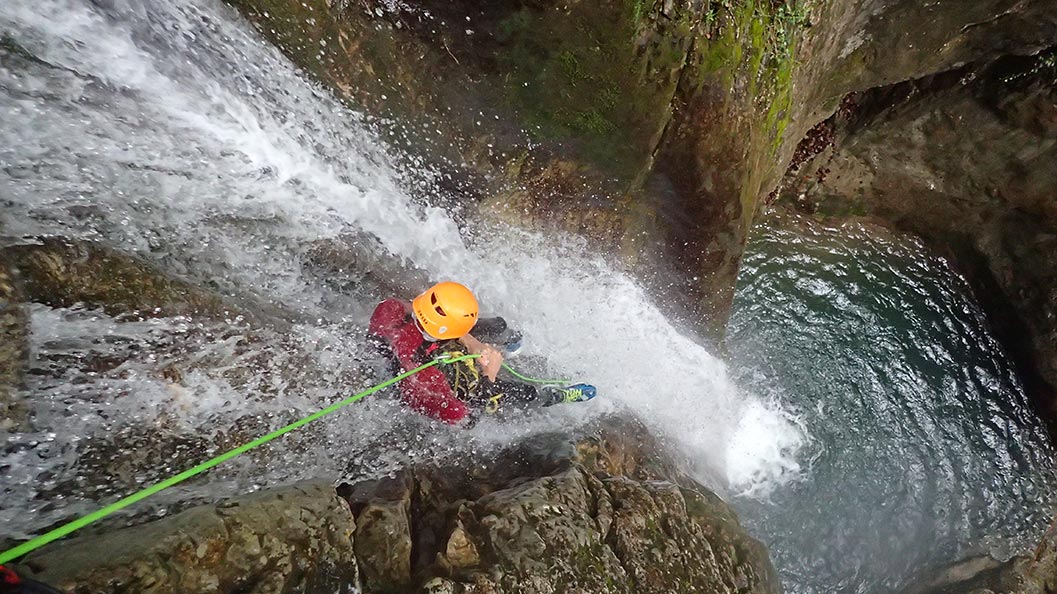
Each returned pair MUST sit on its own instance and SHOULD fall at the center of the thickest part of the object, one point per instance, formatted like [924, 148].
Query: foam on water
[167, 128]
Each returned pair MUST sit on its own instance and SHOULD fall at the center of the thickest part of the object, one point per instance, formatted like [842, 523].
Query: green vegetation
[303, 30]
[750, 45]
[602, 75]
[639, 9]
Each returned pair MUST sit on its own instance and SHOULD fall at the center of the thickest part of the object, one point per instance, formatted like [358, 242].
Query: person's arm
[491, 358]
[387, 317]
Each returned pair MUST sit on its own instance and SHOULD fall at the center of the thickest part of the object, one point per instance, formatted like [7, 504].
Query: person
[437, 323]
[12, 583]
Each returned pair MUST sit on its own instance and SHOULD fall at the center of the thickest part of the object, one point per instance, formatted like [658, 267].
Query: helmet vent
[440, 311]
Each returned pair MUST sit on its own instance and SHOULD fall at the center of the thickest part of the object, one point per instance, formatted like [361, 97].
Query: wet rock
[976, 574]
[383, 538]
[297, 538]
[360, 264]
[1033, 573]
[551, 514]
[14, 327]
[63, 273]
[460, 553]
[546, 516]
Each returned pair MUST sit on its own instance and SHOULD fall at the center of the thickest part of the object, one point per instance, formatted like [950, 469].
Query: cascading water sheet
[167, 129]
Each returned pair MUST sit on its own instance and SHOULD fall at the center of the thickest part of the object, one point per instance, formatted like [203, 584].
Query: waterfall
[169, 130]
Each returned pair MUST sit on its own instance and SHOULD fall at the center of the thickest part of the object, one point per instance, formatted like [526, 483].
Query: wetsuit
[444, 392]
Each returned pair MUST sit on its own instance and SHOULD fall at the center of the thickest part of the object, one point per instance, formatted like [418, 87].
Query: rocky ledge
[604, 512]
[1034, 573]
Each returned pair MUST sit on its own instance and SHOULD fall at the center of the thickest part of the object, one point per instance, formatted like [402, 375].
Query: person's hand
[490, 361]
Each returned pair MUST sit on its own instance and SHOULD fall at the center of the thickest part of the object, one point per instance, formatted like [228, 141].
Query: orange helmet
[446, 310]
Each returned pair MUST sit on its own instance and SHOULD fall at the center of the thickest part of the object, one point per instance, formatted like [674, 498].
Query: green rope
[533, 380]
[36, 543]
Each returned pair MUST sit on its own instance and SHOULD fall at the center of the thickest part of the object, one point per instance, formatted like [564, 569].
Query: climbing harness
[57, 533]
[466, 381]
[492, 406]
[466, 377]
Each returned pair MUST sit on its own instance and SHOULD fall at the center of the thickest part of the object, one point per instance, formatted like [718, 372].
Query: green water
[923, 446]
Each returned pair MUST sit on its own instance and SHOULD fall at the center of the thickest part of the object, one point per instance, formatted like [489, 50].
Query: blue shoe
[573, 393]
[512, 345]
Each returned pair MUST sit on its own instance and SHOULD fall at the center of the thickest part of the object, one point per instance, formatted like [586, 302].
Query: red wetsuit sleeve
[427, 391]
[387, 318]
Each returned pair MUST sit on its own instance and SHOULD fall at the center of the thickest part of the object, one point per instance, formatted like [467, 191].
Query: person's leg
[489, 329]
[496, 331]
[504, 393]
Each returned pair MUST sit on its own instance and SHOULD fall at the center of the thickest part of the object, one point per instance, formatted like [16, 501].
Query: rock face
[604, 513]
[734, 134]
[574, 532]
[296, 539]
[656, 126]
[359, 264]
[62, 273]
[965, 160]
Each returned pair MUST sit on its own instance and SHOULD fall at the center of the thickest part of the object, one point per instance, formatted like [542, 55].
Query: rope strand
[533, 380]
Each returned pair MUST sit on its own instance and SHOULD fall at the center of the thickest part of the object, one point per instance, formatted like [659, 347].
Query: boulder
[605, 512]
[1034, 573]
